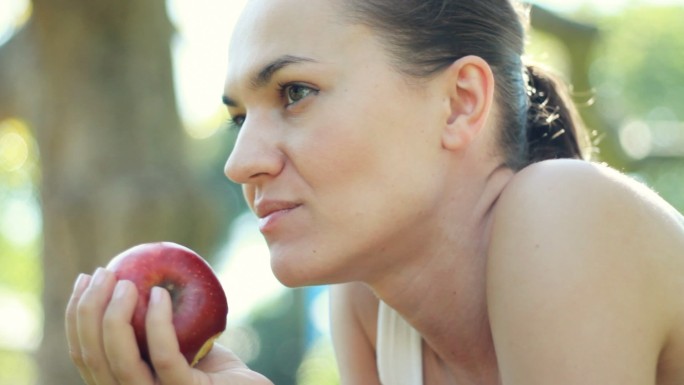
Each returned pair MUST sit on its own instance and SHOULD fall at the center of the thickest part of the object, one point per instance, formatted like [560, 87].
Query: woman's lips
[270, 212]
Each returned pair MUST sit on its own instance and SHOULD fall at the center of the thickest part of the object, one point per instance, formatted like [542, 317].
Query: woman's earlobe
[454, 135]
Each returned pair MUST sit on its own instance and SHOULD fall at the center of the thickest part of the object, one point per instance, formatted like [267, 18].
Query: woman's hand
[103, 347]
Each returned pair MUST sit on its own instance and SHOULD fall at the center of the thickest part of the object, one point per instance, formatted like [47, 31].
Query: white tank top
[399, 349]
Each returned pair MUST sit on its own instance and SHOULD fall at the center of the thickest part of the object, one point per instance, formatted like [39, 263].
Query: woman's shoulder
[582, 190]
[578, 209]
[579, 250]
[579, 176]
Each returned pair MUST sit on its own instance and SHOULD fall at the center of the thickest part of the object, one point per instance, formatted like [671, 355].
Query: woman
[402, 151]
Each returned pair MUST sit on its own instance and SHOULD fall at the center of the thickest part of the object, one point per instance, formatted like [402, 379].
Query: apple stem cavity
[174, 292]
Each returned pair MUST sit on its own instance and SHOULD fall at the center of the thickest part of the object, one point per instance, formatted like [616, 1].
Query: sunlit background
[637, 79]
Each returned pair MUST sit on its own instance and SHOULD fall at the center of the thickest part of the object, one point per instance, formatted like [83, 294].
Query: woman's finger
[119, 340]
[89, 314]
[71, 327]
[169, 364]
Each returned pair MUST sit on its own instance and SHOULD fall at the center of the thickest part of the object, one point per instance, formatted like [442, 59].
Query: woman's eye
[236, 122]
[296, 92]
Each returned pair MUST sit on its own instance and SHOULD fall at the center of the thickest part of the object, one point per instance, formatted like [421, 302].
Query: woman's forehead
[272, 29]
[285, 25]
[282, 16]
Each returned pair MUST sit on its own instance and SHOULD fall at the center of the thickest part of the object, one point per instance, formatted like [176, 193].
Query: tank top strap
[399, 349]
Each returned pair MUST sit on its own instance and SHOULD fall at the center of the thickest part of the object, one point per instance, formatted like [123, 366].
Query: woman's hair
[423, 37]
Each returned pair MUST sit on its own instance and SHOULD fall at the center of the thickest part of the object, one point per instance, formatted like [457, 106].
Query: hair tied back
[551, 123]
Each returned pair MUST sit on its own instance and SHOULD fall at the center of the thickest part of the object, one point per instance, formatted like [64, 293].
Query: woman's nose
[255, 155]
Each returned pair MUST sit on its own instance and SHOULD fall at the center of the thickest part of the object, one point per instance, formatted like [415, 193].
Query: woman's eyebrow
[264, 76]
[228, 101]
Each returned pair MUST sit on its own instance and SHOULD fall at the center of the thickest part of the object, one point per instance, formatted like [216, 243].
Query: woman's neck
[441, 292]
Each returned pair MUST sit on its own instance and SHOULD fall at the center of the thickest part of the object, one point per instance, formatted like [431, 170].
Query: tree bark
[99, 95]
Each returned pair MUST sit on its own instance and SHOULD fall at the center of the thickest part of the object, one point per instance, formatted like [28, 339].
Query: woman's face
[338, 154]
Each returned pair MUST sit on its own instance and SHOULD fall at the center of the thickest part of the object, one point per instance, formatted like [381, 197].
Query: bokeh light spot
[14, 148]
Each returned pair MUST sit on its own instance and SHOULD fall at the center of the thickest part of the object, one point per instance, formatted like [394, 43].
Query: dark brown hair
[539, 121]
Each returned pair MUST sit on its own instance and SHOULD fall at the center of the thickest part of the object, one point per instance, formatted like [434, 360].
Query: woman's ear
[471, 95]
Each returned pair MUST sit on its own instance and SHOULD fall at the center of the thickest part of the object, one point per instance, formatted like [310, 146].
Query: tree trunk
[114, 169]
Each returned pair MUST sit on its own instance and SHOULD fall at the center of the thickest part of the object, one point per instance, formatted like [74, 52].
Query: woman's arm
[578, 278]
[353, 314]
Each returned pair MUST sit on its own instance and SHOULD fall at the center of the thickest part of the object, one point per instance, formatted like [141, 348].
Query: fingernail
[156, 294]
[99, 276]
[81, 282]
[120, 289]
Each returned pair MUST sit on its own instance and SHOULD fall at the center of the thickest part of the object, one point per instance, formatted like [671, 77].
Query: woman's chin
[299, 270]
[291, 276]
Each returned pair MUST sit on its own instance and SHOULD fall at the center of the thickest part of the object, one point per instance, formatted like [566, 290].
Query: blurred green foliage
[16, 368]
[666, 177]
[21, 269]
[640, 63]
[280, 328]
[639, 75]
[319, 366]
[19, 246]
[20, 265]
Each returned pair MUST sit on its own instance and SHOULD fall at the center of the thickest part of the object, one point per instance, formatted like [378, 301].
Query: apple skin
[199, 303]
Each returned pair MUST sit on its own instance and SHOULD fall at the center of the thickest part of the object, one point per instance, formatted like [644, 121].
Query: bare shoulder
[585, 263]
[589, 197]
[584, 182]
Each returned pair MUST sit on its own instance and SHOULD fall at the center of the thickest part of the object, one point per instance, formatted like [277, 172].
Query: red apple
[199, 302]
